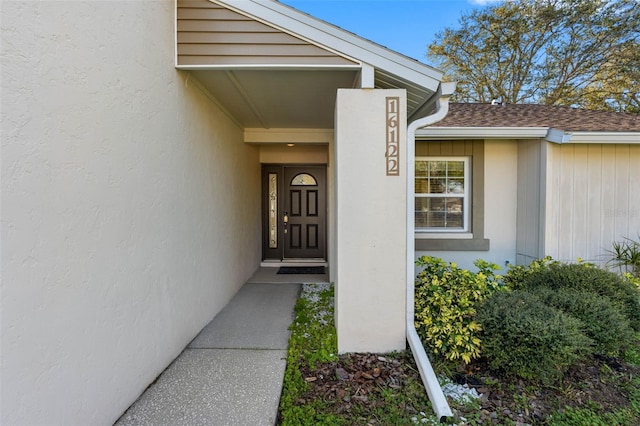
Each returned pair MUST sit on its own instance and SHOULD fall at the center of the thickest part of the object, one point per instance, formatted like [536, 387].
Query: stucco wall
[369, 265]
[500, 195]
[130, 207]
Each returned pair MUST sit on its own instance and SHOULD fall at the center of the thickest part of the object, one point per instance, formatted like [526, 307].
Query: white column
[370, 269]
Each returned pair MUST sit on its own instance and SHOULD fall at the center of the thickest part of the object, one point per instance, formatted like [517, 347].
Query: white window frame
[466, 195]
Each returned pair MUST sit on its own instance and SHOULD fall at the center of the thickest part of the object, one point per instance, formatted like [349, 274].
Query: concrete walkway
[231, 373]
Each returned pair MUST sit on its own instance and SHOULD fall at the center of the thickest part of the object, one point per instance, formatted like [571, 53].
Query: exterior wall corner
[370, 151]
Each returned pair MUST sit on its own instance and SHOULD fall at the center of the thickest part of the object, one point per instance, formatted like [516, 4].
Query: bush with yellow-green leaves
[445, 306]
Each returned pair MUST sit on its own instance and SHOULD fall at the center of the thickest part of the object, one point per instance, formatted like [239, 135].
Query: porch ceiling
[278, 98]
[294, 98]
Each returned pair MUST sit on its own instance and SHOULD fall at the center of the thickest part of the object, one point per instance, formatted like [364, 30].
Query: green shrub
[445, 306]
[635, 281]
[585, 277]
[524, 337]
[632, 356]
[601, 320]
[517, 276]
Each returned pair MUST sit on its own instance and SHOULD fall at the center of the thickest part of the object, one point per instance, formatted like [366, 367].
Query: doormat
[301, 270]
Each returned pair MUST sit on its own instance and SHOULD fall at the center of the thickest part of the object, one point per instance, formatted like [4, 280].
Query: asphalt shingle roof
[531, 115]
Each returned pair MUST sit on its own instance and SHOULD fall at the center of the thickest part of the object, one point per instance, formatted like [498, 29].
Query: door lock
[285, 219]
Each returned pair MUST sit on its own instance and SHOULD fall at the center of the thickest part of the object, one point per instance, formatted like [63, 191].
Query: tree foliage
[557, 52]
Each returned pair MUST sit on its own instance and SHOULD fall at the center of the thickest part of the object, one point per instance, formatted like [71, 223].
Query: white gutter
[549, 134]
[560, 136]
[436, 396]
[449, 133]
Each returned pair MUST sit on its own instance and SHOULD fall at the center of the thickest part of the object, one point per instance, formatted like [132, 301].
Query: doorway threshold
[273, 263]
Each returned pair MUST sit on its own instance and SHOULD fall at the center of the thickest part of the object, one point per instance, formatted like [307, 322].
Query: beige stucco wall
[592, 199]
[130, 207]
[298, 154]
[369, 265]
[500, 195]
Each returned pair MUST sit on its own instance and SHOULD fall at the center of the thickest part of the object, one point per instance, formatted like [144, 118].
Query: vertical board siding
[634, 192]
[622, 208]
[528, 244]
[552, 201]
[565, 205]
[593, 200]
[208, 34]
[581, 194]
[607, 196]
[597, 186]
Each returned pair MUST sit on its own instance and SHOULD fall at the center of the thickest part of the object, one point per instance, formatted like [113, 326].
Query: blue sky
[406, 26]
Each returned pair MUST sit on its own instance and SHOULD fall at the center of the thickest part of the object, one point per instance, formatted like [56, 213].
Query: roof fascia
[557, 136]
[481, 132]
[272, 67]
[330, 37]
[601, 137]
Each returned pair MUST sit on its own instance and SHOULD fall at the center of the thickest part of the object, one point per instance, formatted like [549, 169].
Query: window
[442, 189]
[303, 179]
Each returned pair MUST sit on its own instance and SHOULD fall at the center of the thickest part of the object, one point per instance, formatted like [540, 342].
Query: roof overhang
[481, 133]
[559, 136]
[295, 95]
[549, 134]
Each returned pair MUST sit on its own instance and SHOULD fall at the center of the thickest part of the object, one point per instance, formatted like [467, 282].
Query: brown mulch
[357, 379]
[598, 380]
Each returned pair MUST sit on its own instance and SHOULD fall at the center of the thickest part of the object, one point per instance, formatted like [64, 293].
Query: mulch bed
[356, 379]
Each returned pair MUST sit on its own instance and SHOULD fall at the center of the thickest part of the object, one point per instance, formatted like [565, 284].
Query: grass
[593, 414]
[313, 339]
[313, 344]
[313, 348]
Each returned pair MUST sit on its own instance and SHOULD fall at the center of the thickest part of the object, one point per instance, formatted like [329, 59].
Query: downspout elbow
[428, 375]
[442, 108]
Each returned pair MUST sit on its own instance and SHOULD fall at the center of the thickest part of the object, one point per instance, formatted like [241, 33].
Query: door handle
[285, 220]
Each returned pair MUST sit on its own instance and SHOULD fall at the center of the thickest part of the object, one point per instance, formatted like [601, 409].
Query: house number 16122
[393, 136]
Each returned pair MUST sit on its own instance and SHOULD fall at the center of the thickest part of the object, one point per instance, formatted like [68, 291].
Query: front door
[294, 212]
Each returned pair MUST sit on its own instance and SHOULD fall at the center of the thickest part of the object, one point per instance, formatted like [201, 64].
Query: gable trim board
[547, 133]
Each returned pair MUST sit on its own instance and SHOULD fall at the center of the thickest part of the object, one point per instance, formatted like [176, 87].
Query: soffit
[277, 98]
[299, 90]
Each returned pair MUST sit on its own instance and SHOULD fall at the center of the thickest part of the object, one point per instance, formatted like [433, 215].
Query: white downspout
[436, 396]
